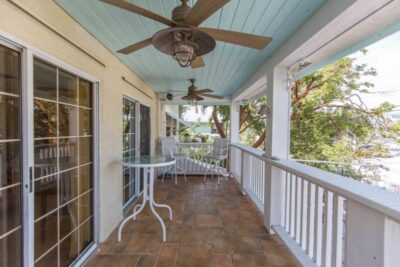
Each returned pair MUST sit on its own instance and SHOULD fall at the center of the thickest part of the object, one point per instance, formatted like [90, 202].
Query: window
[129, 147]
[171, 126]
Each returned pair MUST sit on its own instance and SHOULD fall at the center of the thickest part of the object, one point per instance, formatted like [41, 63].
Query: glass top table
[147, 161]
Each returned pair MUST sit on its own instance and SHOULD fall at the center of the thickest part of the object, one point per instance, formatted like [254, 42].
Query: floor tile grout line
[176, 254]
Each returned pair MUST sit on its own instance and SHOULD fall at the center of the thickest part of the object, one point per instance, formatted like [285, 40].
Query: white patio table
[148, 163]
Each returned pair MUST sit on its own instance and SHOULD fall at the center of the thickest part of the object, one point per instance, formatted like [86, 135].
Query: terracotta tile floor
[213, 225]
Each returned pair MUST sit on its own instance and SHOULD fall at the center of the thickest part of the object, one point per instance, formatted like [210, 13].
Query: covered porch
[79, 107]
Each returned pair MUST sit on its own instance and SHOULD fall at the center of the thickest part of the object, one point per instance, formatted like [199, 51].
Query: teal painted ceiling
[227, 67]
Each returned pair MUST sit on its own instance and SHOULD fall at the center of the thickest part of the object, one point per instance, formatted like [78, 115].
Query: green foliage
[329, 120]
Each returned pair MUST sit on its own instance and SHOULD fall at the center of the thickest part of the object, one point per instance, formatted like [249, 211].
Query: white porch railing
[248, 167]
[195, 164]
[325, 219]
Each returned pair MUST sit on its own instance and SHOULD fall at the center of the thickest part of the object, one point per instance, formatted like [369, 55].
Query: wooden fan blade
[203, 91]
[141, 11]
[198, 63]
[199, 98]
[134, 47]
[213, 96]
[185, 97]
[239, 38]
[202, 10]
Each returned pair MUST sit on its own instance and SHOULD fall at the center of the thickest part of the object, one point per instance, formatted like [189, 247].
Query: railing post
[234, 117]
[242, 172]
[277, 143]
[373, 243]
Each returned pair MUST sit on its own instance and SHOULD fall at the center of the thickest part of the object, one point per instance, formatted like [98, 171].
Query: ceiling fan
[195, 95]
[184, 40]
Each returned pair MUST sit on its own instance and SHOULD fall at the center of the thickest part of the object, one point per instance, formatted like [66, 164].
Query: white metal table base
[148, 172]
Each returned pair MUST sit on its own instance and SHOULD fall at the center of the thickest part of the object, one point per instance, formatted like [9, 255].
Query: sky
[383, 55]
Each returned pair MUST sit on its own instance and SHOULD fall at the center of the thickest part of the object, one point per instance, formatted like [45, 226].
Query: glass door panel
[63, 159]
[10, 159]
[129, 143]
[144, 136]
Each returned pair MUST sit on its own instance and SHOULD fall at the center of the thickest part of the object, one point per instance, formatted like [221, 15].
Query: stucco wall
[85, 53]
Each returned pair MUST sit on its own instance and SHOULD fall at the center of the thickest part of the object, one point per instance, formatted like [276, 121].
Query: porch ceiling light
[184, 49]
[184, 44]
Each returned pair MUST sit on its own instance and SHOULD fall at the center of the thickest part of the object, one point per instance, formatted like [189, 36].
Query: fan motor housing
[180, 12]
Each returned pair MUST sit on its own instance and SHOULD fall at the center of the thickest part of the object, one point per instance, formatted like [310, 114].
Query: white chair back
[168, 146]
[220, 147]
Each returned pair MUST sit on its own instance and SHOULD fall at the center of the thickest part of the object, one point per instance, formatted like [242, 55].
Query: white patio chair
[219, 153]
[169, 147]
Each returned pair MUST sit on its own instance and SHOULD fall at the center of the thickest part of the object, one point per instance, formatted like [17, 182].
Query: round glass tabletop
[148, 161]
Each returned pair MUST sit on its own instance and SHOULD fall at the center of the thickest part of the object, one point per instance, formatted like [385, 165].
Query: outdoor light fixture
[184, 49]
[192, 102]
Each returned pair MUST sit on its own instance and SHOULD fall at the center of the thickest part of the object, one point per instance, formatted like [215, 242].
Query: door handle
[30, 179]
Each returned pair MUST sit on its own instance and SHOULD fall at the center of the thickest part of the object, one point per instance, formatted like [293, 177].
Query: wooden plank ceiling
[227, 67]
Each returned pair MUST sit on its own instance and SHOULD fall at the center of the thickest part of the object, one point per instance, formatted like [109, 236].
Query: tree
[251, 124]
[330, 121]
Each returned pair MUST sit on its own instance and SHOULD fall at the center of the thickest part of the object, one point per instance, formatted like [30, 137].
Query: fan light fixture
[184, 49]
[184, 40]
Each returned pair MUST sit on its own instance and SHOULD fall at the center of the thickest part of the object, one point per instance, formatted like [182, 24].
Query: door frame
[28, 53]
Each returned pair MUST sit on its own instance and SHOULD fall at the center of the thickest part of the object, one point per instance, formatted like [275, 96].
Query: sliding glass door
[63, 165]
[50, 220]
[10, 158]
[130, 148]
[136, 142]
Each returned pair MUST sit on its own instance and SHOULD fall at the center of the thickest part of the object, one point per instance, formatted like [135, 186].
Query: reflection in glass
[10, 209]
[85, 181]
[68, 120]
[9, 117]
[10, 159]
[67, 87]
[45, 118]
[45, 157]
[85, 234]
[10, 163]
[85, 148]
[85, 93]
[68, 155]
[126, 193]
[85, 122]
[9, 71]
[68, 218]
[61, 204]
[69, 249]
[10, 250]
[68, 186]
[129, 145]
[85, 207]
[50, 259]
[44, 80]
[45, 234]
[45, 195]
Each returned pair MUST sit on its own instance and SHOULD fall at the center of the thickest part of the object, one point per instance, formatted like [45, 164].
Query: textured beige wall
[26, 27]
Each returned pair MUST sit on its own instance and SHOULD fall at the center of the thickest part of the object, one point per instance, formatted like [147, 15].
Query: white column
[376, 243]
[278, 134]
[235, 122]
